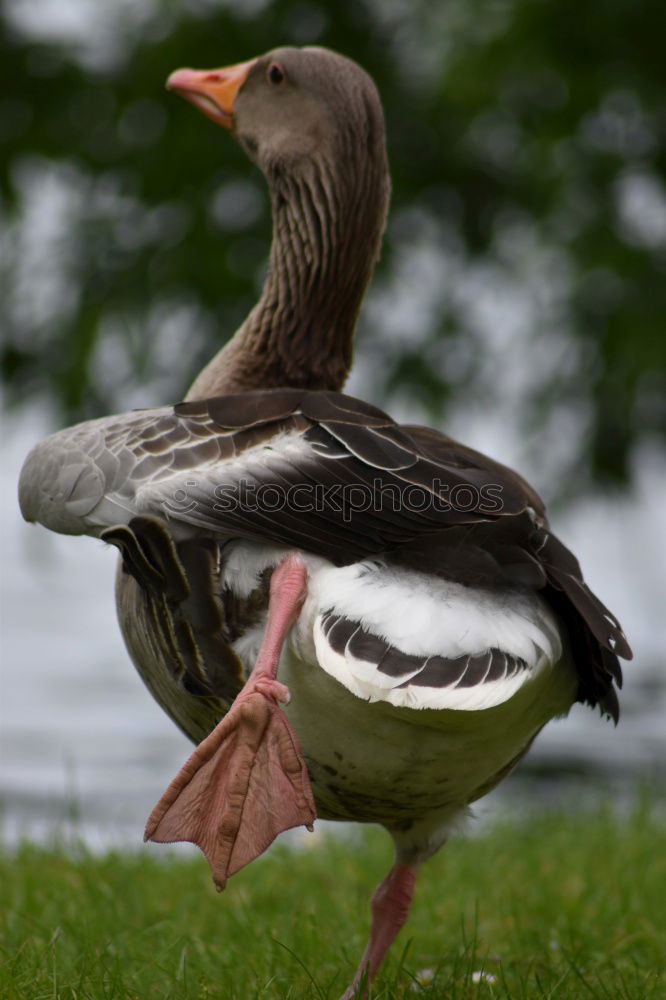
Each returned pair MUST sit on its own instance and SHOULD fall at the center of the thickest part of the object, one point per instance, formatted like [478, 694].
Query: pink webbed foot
[247, 781]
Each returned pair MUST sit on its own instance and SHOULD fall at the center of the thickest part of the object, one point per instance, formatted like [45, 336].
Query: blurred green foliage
[527, 143]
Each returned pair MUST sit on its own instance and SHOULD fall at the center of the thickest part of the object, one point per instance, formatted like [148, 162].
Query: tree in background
[523, 277]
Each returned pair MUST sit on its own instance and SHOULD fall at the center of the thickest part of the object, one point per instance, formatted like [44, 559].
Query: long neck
[327, 229]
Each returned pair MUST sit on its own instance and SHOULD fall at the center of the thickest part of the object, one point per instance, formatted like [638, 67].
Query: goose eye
[275, 74]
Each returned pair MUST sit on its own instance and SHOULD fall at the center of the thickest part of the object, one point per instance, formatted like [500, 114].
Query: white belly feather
[380, 750]
[424, 617]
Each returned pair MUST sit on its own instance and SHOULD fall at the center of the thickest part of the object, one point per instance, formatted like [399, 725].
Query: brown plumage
[507, 543]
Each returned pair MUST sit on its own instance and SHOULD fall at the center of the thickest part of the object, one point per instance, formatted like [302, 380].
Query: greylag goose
[358, 620]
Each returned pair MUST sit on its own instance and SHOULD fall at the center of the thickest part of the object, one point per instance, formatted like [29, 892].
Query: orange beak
[212, 91]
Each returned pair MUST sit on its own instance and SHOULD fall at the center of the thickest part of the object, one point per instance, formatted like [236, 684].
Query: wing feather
[375, 488]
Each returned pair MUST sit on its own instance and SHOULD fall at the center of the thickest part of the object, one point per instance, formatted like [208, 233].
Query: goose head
[312, 121]
[292, 108]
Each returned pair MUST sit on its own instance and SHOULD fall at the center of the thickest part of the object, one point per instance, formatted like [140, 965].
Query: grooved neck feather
[328, 220]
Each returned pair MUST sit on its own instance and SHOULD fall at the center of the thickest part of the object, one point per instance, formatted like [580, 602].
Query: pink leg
[247, 781]
[390, 907]
[288, 589]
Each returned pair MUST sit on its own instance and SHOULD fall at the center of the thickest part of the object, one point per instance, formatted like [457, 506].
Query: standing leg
[390, 907]
[247, 781]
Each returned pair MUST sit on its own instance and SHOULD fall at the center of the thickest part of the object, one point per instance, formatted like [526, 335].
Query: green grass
[557, 907]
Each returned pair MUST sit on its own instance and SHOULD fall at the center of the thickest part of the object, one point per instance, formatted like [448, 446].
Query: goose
[354, 619]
